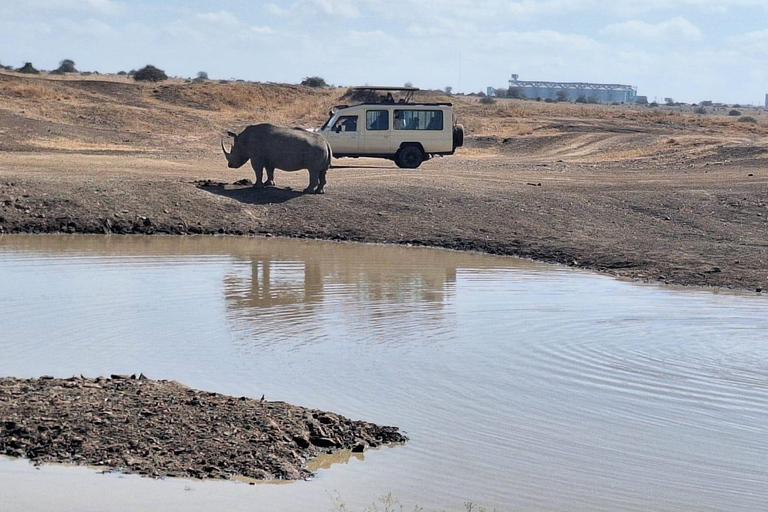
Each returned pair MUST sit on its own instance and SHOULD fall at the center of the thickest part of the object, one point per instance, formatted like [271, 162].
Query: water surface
[521, 386]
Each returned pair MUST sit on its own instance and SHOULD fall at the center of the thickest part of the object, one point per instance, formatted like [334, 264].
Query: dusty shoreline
[161, 428]
[704, 226]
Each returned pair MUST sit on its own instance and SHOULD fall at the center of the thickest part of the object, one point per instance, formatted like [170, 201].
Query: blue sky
[689, 50]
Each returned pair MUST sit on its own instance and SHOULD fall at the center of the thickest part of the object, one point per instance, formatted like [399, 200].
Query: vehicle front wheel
[409, 157]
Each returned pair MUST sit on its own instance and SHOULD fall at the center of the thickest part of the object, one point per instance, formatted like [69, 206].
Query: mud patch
[164, 429]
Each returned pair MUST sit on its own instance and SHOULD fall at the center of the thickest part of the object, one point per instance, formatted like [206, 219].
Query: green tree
[150, 73]
[28, 68]
[66, 66]
[314, 81]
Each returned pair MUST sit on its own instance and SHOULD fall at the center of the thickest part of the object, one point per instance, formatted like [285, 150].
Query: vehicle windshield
[328, 121]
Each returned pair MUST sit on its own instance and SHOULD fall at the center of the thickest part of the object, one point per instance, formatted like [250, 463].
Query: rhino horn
[229, 158]
[232, 134]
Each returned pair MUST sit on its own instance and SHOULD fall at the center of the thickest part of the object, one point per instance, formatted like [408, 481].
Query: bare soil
[164, 429]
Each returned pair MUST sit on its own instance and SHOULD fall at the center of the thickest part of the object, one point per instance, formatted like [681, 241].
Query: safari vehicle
[385, 122]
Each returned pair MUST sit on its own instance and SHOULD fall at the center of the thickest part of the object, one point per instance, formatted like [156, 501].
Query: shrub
[150, 73]
[747, 119]
[28, 68]
[487, 100]
[700, 110]
[653, 104]
[581, 99]
[121, 73]
[314, 81]
[734, 113]
[562, 96]
[201, 75]
[66, 66]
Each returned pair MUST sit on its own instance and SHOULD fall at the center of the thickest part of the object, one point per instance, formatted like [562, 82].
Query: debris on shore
[162, 428]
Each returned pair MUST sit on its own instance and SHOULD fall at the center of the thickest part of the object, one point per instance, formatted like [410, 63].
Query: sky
[687, 50]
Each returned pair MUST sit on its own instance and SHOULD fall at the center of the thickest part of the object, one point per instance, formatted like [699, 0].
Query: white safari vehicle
[385, 122]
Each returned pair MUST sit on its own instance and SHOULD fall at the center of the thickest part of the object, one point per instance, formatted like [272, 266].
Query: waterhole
[521, 386]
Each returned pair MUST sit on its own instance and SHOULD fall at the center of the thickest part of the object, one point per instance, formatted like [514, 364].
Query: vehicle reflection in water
[303, 293]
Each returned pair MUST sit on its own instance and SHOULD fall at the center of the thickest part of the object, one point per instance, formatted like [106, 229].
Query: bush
[28, 68]
[150, 73]
[314, 81]
[653, 104]
[581, 99]
[487, 100]
[121, 73]
[562, 96]
[201, 75]
[734, 113]
[66, 66]
[747, 119]
[700, 110]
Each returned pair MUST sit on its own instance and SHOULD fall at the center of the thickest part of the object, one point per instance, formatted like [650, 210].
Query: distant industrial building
[571, 91]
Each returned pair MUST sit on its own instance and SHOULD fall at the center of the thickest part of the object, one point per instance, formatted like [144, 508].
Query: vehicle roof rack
[373, 90]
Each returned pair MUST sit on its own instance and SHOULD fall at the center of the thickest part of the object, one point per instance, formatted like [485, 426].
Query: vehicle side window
[345, 124]
[418, 120]
[377, 120]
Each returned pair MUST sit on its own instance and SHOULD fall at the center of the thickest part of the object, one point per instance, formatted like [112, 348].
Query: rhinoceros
[281, 147]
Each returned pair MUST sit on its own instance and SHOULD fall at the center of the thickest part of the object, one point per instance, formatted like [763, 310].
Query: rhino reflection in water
[273, 147]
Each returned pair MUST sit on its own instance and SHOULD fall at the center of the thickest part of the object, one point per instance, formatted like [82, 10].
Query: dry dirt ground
[658, 194]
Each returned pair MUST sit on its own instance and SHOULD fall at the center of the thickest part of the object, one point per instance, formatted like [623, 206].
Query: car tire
[409, 157]
[458, 136]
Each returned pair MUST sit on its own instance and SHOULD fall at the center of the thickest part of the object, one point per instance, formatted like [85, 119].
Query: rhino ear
[233, 135]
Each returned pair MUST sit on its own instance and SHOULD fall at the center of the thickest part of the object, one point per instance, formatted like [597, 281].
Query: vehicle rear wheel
[410, 157]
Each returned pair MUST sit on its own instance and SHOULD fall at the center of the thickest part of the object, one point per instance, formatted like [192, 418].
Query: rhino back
[285, 147]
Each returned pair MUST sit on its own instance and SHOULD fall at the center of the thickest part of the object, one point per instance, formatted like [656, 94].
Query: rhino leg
[258, 169]
[270, 177]
[320, 187]
[314, 180]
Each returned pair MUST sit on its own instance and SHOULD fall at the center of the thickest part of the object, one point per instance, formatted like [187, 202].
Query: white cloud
[106, 7]
[218, 18]
[88, 28]
[675, 29]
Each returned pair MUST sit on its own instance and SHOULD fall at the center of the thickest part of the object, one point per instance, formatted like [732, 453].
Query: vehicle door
[377, 132]
[344, 135]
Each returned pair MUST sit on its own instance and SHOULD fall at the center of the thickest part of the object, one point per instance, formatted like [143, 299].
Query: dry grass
[27, 90]
[112, 112]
